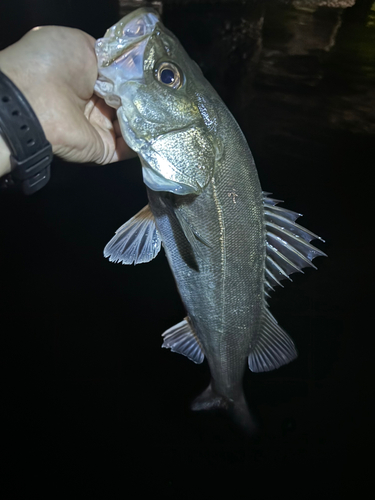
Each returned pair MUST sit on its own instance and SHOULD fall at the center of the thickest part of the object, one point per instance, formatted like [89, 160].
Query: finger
[117, 129]
[110, 145]
[122, 151]
[103, 119]
[97, 111]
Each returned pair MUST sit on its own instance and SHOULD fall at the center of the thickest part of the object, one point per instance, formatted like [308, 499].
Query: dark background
[90, 399]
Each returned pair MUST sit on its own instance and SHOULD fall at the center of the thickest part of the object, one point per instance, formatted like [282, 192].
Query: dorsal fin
[137, 241]
[287, 244]
[273, 347]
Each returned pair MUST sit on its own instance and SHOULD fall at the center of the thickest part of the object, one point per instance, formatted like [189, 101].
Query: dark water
[90, 397]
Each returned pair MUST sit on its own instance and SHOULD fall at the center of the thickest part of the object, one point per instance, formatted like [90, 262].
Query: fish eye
[169, 74]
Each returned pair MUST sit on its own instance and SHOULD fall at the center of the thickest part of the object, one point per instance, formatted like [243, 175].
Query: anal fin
[273, 348]
[182, 339]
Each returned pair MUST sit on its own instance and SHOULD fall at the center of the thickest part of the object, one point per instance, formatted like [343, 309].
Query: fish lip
[128, 45]
[126, 49]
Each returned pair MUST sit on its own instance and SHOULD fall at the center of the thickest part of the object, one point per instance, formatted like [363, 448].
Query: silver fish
[227, 242]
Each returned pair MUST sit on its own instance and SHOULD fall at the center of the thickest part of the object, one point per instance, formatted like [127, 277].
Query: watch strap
[31, 153]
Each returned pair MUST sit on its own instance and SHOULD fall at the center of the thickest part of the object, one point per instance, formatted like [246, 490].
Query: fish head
[164, 110]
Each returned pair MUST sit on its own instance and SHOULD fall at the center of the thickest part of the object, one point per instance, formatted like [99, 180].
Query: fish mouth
[121, 60]
[125, 41]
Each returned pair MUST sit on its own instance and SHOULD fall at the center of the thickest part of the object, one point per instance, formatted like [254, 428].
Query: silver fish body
[226, 241]
[221, 284]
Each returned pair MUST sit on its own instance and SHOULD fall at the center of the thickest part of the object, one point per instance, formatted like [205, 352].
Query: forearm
[12, 67]
[4, 150]
[15, 117]
[4, 157]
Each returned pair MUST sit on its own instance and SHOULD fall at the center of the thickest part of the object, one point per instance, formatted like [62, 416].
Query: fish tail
[242, 417]
[237, 408]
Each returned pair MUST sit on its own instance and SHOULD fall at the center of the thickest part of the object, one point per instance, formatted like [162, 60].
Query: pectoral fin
[191, 234]
[182, 339]
[137, 241]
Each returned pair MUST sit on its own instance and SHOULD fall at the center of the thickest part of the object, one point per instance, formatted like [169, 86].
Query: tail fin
[237, 409]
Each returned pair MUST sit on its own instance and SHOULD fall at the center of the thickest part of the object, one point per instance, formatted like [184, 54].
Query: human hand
[56, 68]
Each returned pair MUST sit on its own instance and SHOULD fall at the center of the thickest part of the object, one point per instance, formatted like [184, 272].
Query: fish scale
[227, 242]
[230, 227]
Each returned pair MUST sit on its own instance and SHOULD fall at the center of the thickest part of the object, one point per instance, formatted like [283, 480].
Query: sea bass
[227, 242]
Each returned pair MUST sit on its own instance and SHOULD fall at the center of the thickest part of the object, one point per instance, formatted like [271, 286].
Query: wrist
[30, 152]
[24, 81]
[4, 157]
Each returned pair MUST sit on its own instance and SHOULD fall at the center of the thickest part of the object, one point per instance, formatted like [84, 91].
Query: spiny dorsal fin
[273, 348]
[137, 241]
[287, 243]
[182, 339]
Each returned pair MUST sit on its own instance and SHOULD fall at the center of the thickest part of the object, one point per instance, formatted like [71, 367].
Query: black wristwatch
[31, 153]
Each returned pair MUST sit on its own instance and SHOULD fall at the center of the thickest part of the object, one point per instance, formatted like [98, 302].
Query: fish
[227, 242]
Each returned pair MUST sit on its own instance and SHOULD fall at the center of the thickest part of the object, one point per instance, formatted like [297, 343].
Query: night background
[90, 399]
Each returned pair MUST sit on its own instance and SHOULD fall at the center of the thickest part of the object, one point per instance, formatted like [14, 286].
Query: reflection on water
[296, 61]
[331, 48]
